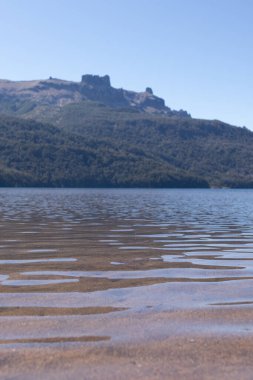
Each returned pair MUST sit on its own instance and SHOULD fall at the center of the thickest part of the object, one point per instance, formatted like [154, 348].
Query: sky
[196, 54]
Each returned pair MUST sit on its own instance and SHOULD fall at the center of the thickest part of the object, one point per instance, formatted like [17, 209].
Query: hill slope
[90, 134]
[215, 151]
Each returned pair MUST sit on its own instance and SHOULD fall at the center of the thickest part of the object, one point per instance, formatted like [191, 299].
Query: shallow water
[102, 255]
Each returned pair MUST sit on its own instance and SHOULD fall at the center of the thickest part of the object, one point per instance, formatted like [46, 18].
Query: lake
[139, 283]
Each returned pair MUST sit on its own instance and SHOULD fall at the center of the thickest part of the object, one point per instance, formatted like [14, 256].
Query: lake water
[75, 264]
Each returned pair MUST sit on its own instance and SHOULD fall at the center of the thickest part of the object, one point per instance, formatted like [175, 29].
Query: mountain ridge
[24, 97]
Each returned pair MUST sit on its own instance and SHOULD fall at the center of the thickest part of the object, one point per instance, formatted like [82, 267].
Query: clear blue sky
[196, 54]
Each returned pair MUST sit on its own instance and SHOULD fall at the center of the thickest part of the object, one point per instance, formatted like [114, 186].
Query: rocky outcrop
[96, 80]
[98, 88]
[149, 90]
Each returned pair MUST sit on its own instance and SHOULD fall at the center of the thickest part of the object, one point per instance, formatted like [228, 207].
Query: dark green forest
[35, 154]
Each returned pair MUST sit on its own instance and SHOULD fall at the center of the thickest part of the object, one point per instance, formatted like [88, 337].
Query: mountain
[62, 133]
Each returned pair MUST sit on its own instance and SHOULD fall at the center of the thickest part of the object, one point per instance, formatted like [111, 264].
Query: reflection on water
[36, 282]
[133, 250]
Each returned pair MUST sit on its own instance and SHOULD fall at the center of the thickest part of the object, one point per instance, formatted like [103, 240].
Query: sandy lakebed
[126, 284]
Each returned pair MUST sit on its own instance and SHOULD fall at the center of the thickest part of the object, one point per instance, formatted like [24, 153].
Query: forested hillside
[34, 154]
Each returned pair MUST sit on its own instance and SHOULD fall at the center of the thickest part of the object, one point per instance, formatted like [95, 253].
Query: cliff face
[32, 98]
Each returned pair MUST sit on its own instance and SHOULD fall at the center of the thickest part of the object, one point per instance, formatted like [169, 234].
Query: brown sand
[193, 344]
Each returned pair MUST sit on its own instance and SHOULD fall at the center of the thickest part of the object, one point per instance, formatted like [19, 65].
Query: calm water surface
[95, 256]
